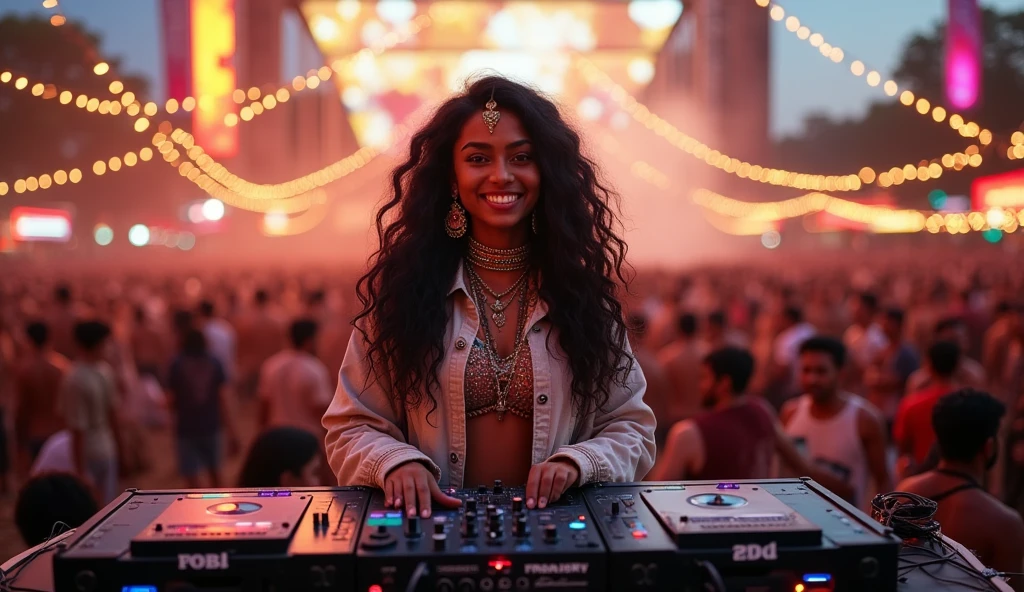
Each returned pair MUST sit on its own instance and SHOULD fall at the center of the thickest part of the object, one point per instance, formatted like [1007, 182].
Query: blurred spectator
[886, 378]
[197, 395]
[659, 395]
[220, 338]
[705, 446]
[717, 333]
[260, 335]
[998, 340]
[681, 361]
[38, 380]
[793, 331]
[89, 403]
[62, 321]
[912, 432]
[294, 386]
[150, 346]
[283, 457]
[968, 372]
[966, 425]
[48, 500]
[841, 432]
[864, 339]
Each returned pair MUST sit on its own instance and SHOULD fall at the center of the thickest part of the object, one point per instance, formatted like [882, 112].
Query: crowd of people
[868, 380]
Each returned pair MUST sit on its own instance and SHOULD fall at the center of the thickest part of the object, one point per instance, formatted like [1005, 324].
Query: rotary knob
[550, 533]
[412, 526]
[470, 504]
[519, 527]
[491, 510]
[439, 525]
[495, 524]
[517, 504]
[615, 507]
[498, 487]
[469, 525]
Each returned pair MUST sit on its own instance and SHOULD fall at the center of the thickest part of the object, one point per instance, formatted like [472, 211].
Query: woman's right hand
[413, 485]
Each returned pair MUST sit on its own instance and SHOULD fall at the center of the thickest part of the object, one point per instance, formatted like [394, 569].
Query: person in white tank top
[839, 431]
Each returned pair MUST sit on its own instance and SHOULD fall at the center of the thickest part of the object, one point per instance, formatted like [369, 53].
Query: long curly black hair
[576, 251]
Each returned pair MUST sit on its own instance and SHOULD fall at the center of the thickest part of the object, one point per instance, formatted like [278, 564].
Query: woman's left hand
[548, 481]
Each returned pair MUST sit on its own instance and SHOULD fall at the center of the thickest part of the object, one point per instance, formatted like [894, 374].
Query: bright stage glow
[138, 235]
[590, 109]
[213, 209]
[40, 224]
[655, 14]
[325, 29]
[103, 235]
[771, 239]
[275, 222]
[641, 70]
[396, 12]
[530, 41]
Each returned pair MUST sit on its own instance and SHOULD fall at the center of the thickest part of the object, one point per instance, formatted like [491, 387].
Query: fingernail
[529, 503]
[425, 513]
[398, 502]
[543, 502]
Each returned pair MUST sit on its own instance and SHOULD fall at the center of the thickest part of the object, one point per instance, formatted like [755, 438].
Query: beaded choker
[491, 259]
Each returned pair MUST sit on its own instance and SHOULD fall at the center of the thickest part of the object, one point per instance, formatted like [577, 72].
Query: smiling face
[498, 180]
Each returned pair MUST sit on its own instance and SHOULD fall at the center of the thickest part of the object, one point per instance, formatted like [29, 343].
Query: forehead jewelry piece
[491, 115]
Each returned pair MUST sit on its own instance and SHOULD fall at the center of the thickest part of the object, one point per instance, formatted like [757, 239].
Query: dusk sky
[803, 82]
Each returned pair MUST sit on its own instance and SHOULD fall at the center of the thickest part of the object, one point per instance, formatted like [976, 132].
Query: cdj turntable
[788, 535]
[490, 543]
[238, 540]
[767, 536]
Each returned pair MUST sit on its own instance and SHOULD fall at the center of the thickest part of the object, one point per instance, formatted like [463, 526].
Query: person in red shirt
[913, 430]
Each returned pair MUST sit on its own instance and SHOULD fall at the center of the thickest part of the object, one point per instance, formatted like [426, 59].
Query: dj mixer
[787, 535]
[491, 543]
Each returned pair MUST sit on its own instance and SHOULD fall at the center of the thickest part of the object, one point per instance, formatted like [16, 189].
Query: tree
[889, 134]
[43, 135]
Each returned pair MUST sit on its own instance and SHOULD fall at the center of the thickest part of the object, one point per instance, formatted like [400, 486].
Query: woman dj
[491, 343]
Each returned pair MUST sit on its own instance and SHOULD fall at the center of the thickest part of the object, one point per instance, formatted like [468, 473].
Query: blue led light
[817, 578]
[138, 588]
[577, 525]
[728, 486]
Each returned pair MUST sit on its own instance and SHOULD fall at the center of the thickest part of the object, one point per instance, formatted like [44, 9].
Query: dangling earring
[455, 222]
[533, 221]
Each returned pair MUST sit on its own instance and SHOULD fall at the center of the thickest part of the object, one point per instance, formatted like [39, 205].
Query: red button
[639, 534]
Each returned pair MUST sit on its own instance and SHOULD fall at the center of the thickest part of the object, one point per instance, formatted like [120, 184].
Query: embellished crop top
[481, 387]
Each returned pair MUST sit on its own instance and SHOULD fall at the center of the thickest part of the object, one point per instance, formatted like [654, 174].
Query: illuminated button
[577, 525]
[728, 486]
[500, 565]
[639, 534]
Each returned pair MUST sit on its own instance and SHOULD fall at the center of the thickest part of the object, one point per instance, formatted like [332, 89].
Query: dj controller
[787, 535]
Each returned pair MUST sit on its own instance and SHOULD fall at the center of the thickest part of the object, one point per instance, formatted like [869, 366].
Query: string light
[61, 177]
[873, 78]
[593, 75]
[280, 95]
[218, 173]
[781, 177]
[879, 218]
[295, 225]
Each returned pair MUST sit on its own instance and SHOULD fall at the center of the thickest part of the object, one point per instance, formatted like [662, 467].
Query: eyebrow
[485, 146]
